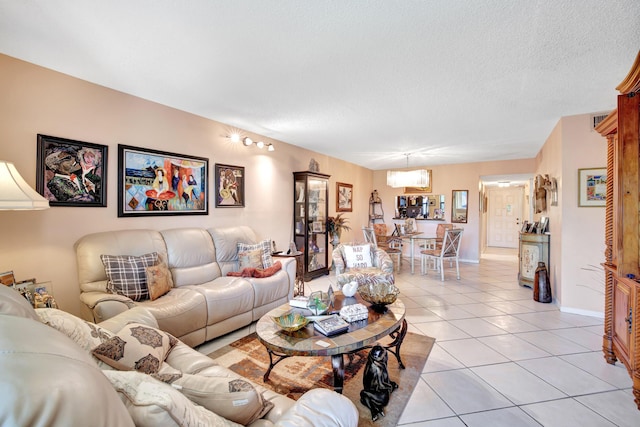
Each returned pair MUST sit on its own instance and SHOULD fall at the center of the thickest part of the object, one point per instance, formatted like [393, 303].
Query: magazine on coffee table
[332, 325]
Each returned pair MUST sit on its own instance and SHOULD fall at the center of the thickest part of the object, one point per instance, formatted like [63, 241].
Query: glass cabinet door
[311, 193]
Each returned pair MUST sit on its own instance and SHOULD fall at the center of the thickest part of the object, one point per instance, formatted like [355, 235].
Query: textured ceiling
[446, 81]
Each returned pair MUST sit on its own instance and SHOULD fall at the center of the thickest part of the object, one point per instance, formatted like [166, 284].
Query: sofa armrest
[289, 265]
[320, 407]
[135, 315]
[383, 261]
[104, 305]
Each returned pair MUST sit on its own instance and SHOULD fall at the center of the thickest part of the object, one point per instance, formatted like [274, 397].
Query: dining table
[412, 238]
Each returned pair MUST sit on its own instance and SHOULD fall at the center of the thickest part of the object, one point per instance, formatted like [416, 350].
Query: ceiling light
[270, 147]
[260, 144]
[247, 141]
[234, 137]
[414, 178]
[15, 193]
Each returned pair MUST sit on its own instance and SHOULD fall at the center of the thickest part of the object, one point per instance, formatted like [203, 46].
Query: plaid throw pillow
[264, 246]
[127, 274]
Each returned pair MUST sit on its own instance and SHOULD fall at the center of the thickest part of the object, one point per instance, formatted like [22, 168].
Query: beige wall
[455, 177]
[40, 243]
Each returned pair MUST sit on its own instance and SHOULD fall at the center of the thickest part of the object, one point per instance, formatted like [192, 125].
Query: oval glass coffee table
[309, 342]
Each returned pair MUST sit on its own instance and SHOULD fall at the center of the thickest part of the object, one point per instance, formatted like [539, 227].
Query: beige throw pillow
[159, 280]
[233, 398]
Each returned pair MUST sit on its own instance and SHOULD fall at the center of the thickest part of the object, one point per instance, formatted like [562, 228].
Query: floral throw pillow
[136, 347]
[265, 248]
[250, 259]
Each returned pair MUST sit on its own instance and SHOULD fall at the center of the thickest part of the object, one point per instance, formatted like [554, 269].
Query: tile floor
[501, 359]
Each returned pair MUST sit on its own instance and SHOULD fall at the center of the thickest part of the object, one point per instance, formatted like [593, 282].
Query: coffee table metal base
[337, 360]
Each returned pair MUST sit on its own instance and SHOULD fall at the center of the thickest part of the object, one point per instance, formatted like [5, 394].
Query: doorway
[505, 214]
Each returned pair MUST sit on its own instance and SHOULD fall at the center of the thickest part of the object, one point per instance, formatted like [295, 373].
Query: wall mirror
[427, 206]
[459, 205]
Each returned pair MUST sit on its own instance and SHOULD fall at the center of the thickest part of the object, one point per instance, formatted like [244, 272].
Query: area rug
[295, 375]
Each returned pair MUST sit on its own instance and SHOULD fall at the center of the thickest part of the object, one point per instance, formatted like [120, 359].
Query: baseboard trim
[589, 313]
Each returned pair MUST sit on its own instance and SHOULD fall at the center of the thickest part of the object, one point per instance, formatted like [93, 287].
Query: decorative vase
[335, 240]
[541, 285]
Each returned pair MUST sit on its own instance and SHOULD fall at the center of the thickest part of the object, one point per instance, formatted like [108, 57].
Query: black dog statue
[377, 385]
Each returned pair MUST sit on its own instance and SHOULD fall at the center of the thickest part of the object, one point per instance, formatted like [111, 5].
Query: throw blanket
[257, 272]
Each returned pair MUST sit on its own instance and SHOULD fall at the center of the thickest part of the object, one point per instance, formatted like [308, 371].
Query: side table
[298, 288]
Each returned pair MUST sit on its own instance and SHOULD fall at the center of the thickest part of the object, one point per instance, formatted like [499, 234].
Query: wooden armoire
[621, 340]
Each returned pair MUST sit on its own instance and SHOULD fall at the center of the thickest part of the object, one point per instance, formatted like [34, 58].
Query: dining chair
[449, 250]
[391, 245]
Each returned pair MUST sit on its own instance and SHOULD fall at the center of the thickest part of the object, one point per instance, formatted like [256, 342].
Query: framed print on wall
[71, 173]
[229, 186]
[344, 197]
[156, 183]
[592, 184]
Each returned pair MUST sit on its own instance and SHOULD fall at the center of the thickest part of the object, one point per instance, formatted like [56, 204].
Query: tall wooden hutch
[621, 340]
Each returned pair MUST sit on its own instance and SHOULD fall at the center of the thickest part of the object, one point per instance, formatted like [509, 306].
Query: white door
[505, 216]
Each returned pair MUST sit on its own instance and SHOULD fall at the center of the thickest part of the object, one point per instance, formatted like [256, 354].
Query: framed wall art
[71, 173]
[156, 183]
[344, 197]
[592, 187]
[229, 186]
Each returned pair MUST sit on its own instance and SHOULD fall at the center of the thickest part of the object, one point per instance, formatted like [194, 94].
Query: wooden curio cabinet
[621, 340]
[310, 209]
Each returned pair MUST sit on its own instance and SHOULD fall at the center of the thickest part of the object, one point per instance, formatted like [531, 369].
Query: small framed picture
[344, 197]
[316, 226]
[525, 227]
[544, 222]
[7, 278]
[229, 189]
[592, 183]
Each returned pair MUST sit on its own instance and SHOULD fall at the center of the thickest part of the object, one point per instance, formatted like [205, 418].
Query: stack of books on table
[331, 325]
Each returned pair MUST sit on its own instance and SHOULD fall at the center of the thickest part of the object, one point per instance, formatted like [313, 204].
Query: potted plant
[335, 226]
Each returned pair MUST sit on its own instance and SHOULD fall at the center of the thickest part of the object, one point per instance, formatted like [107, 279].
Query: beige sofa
[204, 303]
[51, 379]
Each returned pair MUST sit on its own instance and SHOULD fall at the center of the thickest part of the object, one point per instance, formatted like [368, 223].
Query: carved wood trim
[631, 83]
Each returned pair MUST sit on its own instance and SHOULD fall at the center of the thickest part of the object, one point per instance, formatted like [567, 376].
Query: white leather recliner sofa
[49, 378]
[204, 303]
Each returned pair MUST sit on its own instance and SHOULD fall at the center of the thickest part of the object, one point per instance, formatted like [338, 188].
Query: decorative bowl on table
[291, 321]
[379, 294]
[319, 302]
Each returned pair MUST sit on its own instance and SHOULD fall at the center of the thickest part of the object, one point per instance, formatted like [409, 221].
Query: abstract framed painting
[159, 183]
[71, 173]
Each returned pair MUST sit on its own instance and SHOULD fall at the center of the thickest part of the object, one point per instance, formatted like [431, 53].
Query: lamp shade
[415, 178]
[15, 193]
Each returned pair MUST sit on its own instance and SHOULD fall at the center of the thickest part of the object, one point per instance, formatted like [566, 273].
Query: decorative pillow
[152, 403]
[233, 398]
[159, 280]
[86, 335]
[138, 347]
[358, 256]
[264, 246]
[252, 259]
[127, 275]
